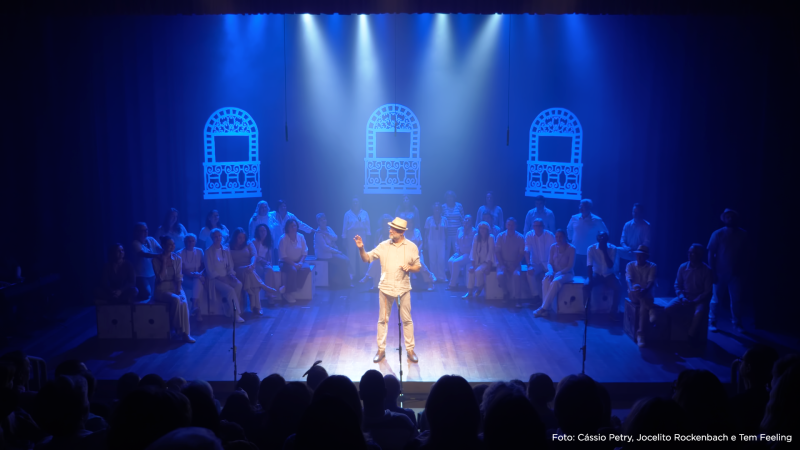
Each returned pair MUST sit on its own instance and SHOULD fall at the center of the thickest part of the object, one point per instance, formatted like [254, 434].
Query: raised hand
[358, 241]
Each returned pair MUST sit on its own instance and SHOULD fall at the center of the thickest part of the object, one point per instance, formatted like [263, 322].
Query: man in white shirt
[582, 231]
[143, 249]
[509, 249]
[399, 258]
[325, 249]
[635, 232]
[537, 254]
[540, 212]
[494, 210]
[641, 278]
[600, 268]
[356, 223]
[460, 259]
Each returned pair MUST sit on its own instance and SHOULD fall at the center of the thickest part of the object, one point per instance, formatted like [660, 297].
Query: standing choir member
[641, 278]
[635, 232]
[244, 256]
[465, 237]
[582, 231]
[482, 260]
[261, 216]
[560, 270]
[172, 227]
[694, 288]
[326, 249]
[144, 248]
[406, 207]
[193, 278]
[169, 290]
[374, 269]
[212, 221]
[293, 251]
[727, 255]
[537, 250]
[262, 241]
[119, 278]
[277, 224]
[494, 210]
[509, 251]
[453, 212]
[415, 236]
[356, 223]
[540, 212]
[221, 274]
[435, 234]
[600, 259]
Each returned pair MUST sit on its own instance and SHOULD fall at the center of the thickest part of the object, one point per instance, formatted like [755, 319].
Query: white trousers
[385, 313]
[456, 262]
[436, 259]
[551, 287]
[196, 292]
[178, 308]
[478, 274]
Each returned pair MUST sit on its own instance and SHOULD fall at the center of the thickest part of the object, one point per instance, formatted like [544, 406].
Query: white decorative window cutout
[392, 175]
[555, 179]
[231, 179]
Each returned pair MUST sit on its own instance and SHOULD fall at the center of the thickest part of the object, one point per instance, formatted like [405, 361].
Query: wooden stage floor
[478, 339]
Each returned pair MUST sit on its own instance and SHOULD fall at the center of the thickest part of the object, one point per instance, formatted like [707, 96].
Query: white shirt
[292, 251]
[482, 252]
[563, 262]
[497, 213]
[192, 260]
[436, 234]
[509, 248]
[595, 258]
[325, 243]
[263, 252]
[394, 280]
[538, 248]
[641, 275]
[219, 262]
[635, 234]
[583, 232]
[177, 237]
[546, 215]
[205, 236]
[142, 265]
[257, 220]
[465, 238]
[355, 224]
[276, 225]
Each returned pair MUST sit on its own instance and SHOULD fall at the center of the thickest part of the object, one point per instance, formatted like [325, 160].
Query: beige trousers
[386, 312]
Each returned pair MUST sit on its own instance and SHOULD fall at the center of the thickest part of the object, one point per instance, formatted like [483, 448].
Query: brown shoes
[412, 357]
[379, 356]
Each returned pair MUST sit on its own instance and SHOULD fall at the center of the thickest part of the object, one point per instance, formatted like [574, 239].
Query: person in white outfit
[453, 212]
[325, 249]
[244, 256]
[293, 252]
[560, 270]
[435, 235]
[482, 260]
[509, 250]
[494, 210]
[212, 221]
[537, 253]
[641, 278]
[143, 249]
[356, 223]
[635, 232]
[262, 242]
[465, 237]
[277, 225]
[172, 227]
[193, 278]
[169, 289]
[540, 212]
[415, 236]
[600, 259]
[261, 216]
[582, 231]
[374, 269]
[223, 286]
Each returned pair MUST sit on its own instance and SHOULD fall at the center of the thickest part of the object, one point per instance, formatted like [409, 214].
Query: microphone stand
[586, 305]
[400, 348]
[233, 348]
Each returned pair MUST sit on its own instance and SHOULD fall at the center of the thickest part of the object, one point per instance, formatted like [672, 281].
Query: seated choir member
[144, 248]
[635, 232]
[641, 278]
[540, 212]
[464, 238]
[559, 271]
[326, 250]
[261, 216]
[406, 207]
[356, 223]
[582, 230]
[600, 259]
[537, 250]
[494, 210]
[212, 221]
[169, 289]
[374, 268]
[694, 287]
[244, 255]
[453, 213]
[262, 241]
[223, 286]
[435, 234]
[277, 224]
[413, 234]
[509, 250]
[119, 278]
[494, 230]
[482, 259]
[293, 251]
[193, 278]
[172, 227]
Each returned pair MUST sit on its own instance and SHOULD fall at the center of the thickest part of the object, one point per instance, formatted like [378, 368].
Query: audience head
[177, 384]
[116, 253]
[322, 221]
[478, 392]
[140, 231]
[638, 211]
[467, 222]
[191, 438]
[784, 405]
[561, 236]
[452, 411]
[540, 201]
[538, 226]
[153, 380]
[511, 422]
[269, 388]
[290, 229]
[540, 389]
[286, 412]
[22, 368]
[511, 225]
[216, 237]
[756, 368]
[578, 405]
[171, 221]
[372, 388]
[212, 219]
[703, 397]
[263, 235]
[7, 374]
[602, 237]
[450, 197]
[329, 422]
[316, 375]
[204, 386]
[262, 209]
[341, 387]
[651, 417]
[238, 409]
[585, 207]
[73, 367]
[696, 253]
[126, 384]
[730, 217]
[64, 405]
[392, 389]
[282, 208]
[167, 244]
[204, 408]
[145, 415]
[355, 204]
[490, 199]
[437, 209]
[238, 239]
[189, 241]
[782, 365]
[498, 390]
[249, 383]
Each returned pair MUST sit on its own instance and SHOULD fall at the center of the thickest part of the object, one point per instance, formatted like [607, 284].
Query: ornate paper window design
[231, 179]
[555, 179]
[392, 175]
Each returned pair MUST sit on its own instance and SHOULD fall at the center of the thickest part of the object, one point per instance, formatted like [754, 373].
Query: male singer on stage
[398, 257]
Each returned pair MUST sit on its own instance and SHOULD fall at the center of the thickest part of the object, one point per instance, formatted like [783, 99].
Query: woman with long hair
[223, 286]
[193, 279]
[481, 259]
[244, 262]
[293, 251]
[212, 221]
[169, 289]
[172, 227]
[262, 241]
[559, 271]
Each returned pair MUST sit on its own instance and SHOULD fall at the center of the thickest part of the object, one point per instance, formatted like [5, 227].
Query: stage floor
[478, 339]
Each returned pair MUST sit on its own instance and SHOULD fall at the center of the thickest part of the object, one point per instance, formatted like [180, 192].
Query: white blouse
[219, 262]
[292, 251]
[434, 233]
[192, 261]
[482, 252]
